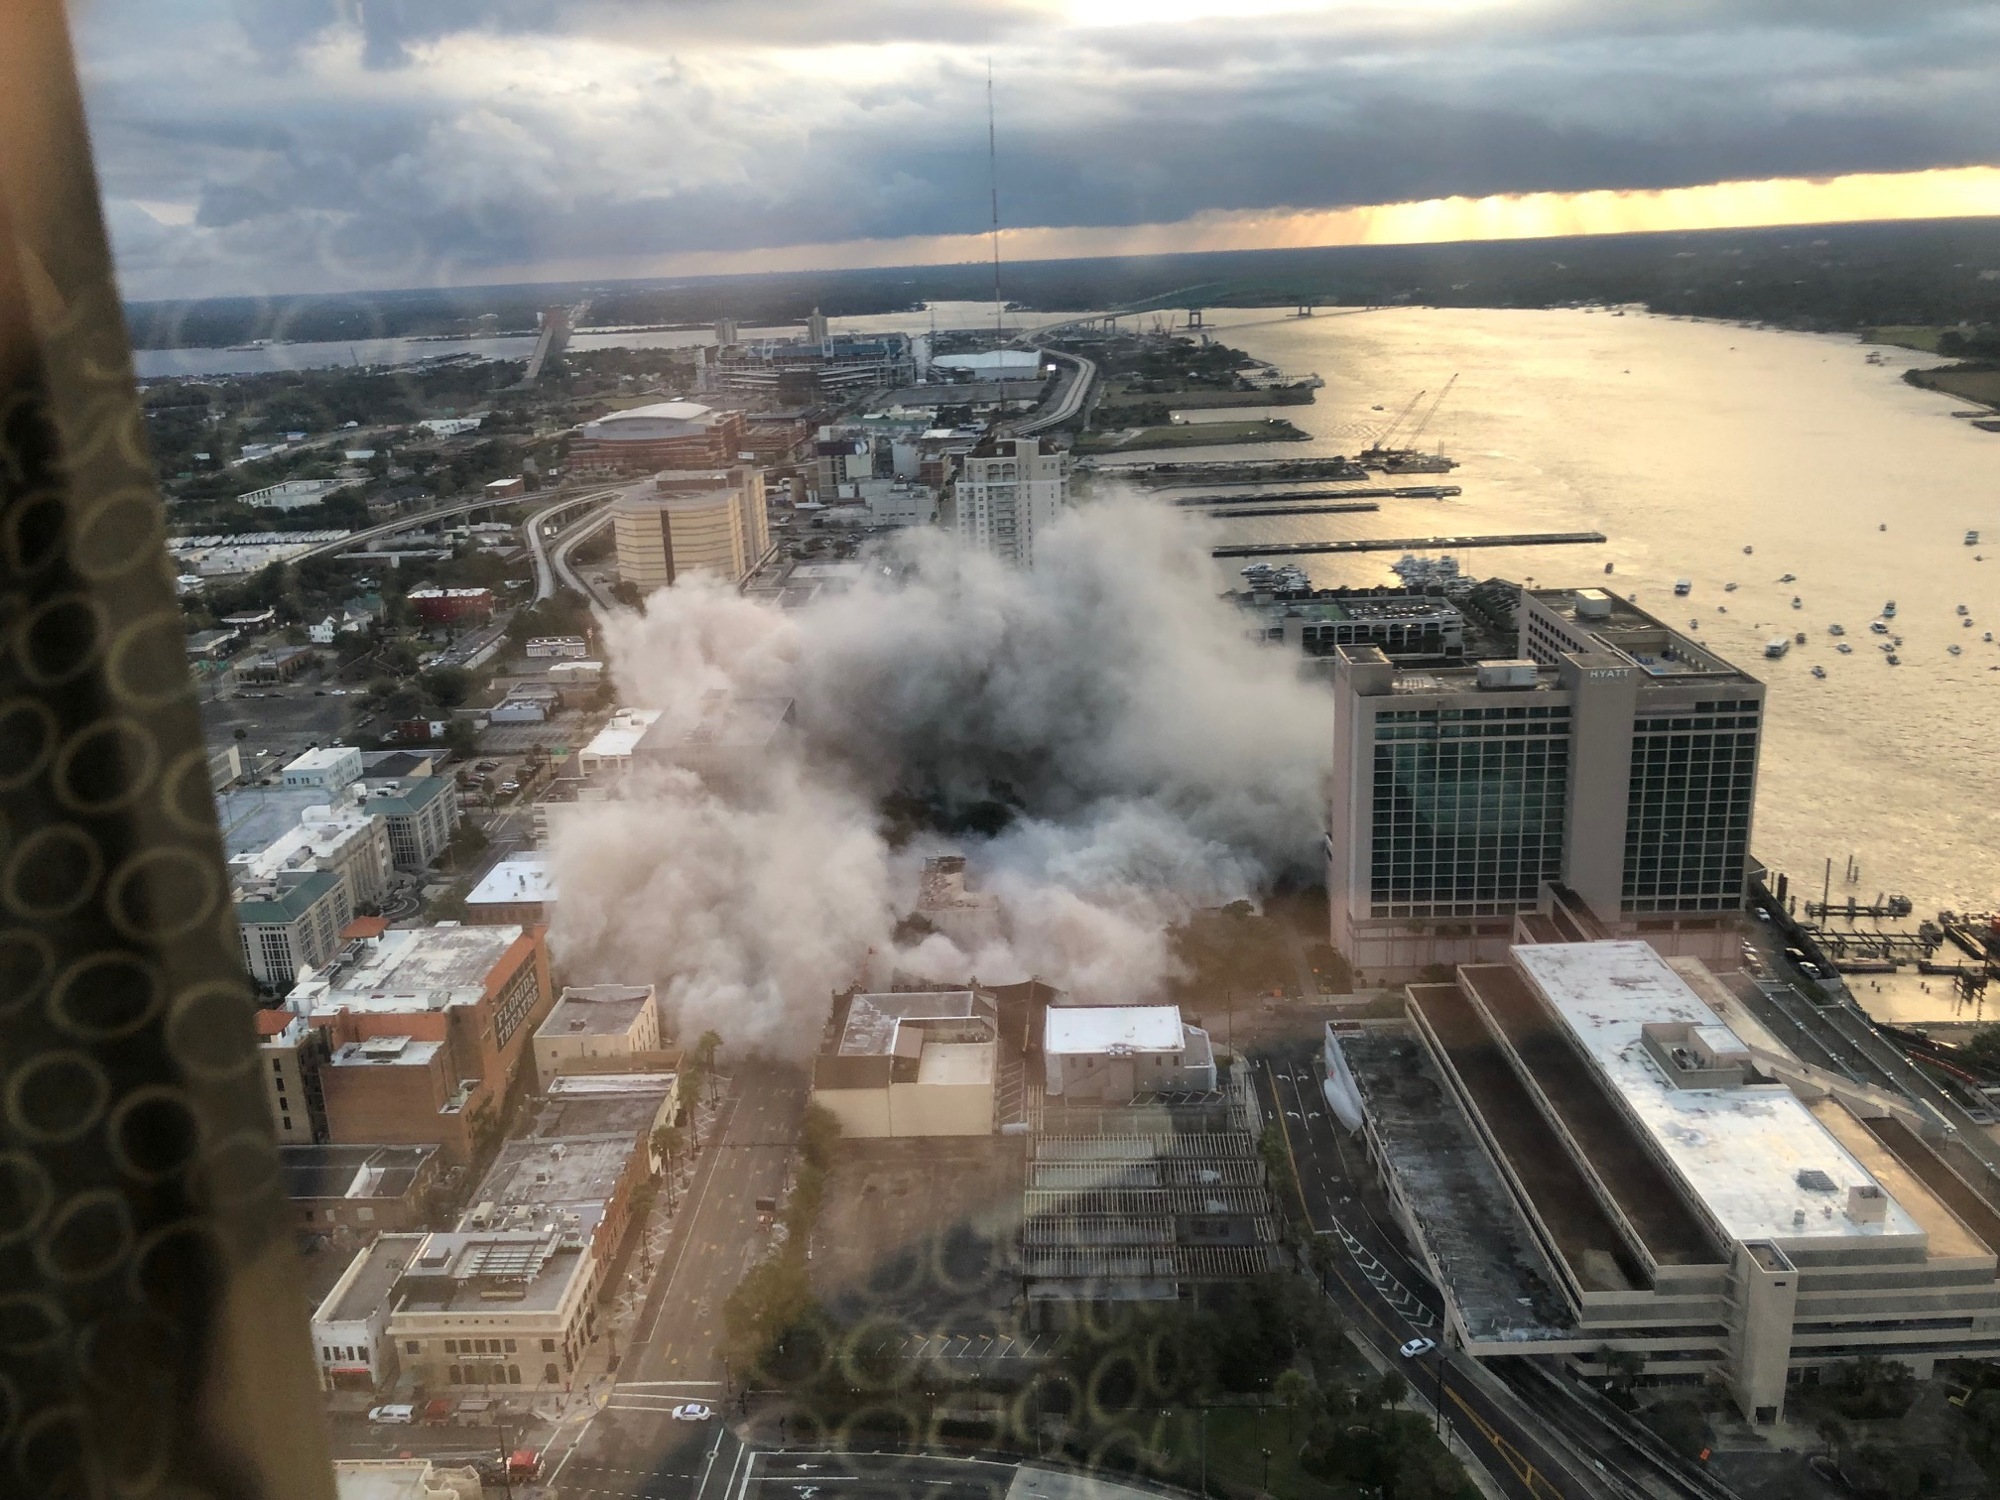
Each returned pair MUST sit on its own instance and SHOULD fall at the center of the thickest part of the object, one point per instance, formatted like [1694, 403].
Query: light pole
[1267, 1470]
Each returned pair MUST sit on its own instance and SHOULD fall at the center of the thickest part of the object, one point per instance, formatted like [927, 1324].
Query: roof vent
[1813, 1180]
[1867, 1204]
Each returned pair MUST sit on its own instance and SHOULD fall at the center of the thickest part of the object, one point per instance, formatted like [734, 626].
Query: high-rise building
[1008, 490]
[692, 521]
[1614, 757]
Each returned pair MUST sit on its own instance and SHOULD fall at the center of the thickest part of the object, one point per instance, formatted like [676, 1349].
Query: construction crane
[1418, 430]
[1382, 438]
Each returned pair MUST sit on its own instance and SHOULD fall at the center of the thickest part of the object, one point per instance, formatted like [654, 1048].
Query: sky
[257, 146]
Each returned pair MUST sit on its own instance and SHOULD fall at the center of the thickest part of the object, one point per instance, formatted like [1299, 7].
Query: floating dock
[1347, 508]
[1409, 544]
[1237, 471]
[1405, 492]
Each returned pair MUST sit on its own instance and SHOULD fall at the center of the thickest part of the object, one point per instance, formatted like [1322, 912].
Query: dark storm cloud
[448, 137]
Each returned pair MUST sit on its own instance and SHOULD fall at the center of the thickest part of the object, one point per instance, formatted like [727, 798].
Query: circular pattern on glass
[153, 1133]
[86, 1238]
[162, 893]
[147, 663]
[57, 1096]
[59, 639]
[53, 871]
[205, 1031]
[26, 1194]
[28, 736]
[34, 531]
[106, 996]
[241, 1167]
[26, 961]
[185, 795]
[105, 766]
[120, 533]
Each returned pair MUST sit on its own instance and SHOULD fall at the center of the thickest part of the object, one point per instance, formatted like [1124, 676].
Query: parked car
[438, 1411]
[402, 1414]
[1416, 1348]
[693, 1411]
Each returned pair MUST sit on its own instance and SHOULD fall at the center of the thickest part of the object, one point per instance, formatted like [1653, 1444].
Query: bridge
[558, 323]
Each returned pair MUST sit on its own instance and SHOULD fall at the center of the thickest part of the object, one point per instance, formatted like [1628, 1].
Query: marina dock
[1410, 544]
[1405, 492]
[1346, 508]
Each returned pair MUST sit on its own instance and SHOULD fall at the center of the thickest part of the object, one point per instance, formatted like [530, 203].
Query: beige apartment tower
[691, 521]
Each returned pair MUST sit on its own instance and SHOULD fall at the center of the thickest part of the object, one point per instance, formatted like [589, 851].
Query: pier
[1410, 544]
[1404, 492]
[1347, 508]
[1236, 471]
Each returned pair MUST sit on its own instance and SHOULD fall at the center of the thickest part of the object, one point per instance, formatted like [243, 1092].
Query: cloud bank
[1098, 736]
[249, 146]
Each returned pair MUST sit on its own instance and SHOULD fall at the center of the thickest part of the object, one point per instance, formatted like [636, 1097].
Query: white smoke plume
[1098, 737]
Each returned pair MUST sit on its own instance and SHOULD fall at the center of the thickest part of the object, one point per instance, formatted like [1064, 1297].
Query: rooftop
[386, 1051]
[415, 968]
[369, 1278]
[1752, 1153]
[281, 899]
[625, 1111]
[383, 1479]
[521, 877]
[352, 1171]
[1074, 1030]
[724, 721]
[498, 1271]
[574, 1172]
[873, 1020]
[615, 741]
[597, 1010]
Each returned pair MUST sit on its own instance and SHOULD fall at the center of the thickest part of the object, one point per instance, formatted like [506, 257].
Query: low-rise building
[289, 494]
[508, 1310]
[281, 665]
[589, 1180]
[350, 1327]
[451, 606]
[342, 837]
[210, 645]
[404, 1479]
[596, 1020]
[427, 1028]
[971, 919]
[527, 703]
[1615, 1155]
[911, 1064]
[420, 812]
[519, 890]
[556, 647]
[324, 770]
[726, 739]
[1118, 1052]
[609, 753]
[290, 921]
[359, 1188]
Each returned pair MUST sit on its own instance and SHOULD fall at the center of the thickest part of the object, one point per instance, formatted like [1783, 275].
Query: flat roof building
[726, 737]
[1119, 1052]
[505, 1310]
[609, 753]
[911, 1064]
[1687, 1193]
[664, 435]
[597, 1020]
[519, 890]
[1611, 756]
[366, 1189]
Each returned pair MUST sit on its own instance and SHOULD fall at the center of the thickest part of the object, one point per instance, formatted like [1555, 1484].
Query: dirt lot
[922, 1232]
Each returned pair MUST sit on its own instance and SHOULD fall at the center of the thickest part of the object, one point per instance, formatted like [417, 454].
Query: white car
[393, 1416]
[1416, 1348]
[693, 1411]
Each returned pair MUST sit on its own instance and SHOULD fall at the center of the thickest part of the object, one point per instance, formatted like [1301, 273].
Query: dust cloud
[1098, 737]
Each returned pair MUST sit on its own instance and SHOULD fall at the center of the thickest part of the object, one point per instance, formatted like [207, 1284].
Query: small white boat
[1844, 649]
[1963, 610]
[1748, 550]
[1820, 672]
[1893, 659]
[1836, 630]
[1955, 649]
[1776, 646]
[1797, 603]
[1729, 588]
[1889, 610]
[1972, 539]
[1683, 587]
[1878, 627]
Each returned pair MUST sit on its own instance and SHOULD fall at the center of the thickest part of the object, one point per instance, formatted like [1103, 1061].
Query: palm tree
[1294, 1391]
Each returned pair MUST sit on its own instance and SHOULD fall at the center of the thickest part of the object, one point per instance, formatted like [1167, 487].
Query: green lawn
[1905, 336]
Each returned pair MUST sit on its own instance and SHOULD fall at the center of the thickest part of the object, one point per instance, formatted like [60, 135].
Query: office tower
[1613, 756]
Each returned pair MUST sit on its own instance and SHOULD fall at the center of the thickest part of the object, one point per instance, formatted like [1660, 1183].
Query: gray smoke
[1098, 737]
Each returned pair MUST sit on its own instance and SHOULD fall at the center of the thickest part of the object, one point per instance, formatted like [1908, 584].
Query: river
[1685, 443]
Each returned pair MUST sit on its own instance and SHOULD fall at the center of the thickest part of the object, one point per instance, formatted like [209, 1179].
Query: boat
[1967, 622]
[1748, 550]
[1878, 627]
[1883, 527]
[1799, 639]
[1836, 630]
[1722, 609]
[1776, 646]
[1789, 578]
[1683, 587]
[1694, 624]
[1729, 588]
[1963, 610]
[1972, 539]
[1844, 649]
[1820, 672]
[1607, 567]
[1988, 637]
[1889, 610]
[1796, 604]
[1893, 659]
[1955, 649]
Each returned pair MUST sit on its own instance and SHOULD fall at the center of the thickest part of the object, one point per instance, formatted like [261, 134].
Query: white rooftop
[1085, 1030]
[1740, 1150]
[405, 969]
[521, 877]
[326, 758]
[616, 739]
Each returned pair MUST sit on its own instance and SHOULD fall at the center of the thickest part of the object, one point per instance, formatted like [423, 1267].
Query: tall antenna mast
[993, 180]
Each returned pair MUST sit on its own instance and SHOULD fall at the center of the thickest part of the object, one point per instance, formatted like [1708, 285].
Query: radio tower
[993, 181]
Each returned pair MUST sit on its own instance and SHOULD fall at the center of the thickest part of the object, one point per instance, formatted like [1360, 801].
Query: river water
[1685, 443]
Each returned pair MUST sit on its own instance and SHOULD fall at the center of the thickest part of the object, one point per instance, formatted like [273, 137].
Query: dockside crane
[1418, 430]
[1382, 438]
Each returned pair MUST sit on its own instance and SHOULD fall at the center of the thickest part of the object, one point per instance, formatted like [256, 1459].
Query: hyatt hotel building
[1612, 757]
